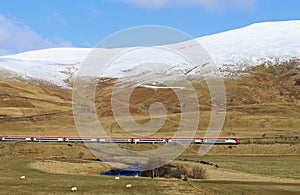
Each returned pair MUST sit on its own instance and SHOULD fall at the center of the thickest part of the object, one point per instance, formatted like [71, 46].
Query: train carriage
[181, 140]
[220, 141]
[16, 138]
[150, 140]
[48, 139]
[80, 139]
[114, 140]
[121, 140]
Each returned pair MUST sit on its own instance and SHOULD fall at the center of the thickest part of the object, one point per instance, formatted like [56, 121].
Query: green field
[236, 174]
[38, 182]
[281, 178]
[246, 187]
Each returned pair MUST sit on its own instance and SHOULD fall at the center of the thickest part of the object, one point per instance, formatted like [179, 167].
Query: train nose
[237, 141]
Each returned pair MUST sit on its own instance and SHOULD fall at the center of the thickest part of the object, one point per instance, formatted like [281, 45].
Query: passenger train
[231, 141]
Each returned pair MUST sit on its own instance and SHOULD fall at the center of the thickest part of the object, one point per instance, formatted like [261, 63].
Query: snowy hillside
[52, 65]
[250, 45]
[254, 44]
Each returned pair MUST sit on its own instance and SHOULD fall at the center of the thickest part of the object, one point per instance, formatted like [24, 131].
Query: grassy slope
[265, 101]
[34, 109]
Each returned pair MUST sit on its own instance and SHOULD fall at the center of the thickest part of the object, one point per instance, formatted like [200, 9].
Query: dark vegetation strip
[198, 161]
[245, 182]
[34, 99]
[270, 139]
[33, 117]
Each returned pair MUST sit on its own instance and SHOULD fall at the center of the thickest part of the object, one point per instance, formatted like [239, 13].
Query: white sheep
[74, 189]
[117, 177]
[22, 177]
[128, 186]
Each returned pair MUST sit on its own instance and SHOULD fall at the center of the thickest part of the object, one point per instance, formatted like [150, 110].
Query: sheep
[22, 177]
[128, 186]
[117, 177]
[74, 189]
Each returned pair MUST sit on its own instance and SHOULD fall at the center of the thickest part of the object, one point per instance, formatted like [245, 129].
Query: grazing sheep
[74, 189]
[117, 177]
[22, 177]
[184, 177]
[128, 186]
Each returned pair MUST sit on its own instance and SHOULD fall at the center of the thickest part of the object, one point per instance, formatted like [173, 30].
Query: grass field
[255, 173]
[244, 187]
[38, 182]
[235, 175]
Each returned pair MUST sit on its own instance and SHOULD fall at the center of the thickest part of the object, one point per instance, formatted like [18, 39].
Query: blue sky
[35, 24]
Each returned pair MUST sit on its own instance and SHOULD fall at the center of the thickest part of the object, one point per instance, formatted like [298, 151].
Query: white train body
[48, 139]
[149, 140]
[122, 140]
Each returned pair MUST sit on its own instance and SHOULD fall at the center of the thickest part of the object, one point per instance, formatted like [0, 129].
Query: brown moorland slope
[264, 101]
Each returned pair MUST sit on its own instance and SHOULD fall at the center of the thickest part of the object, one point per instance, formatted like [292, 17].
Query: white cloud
[16, 37]
[207, 4]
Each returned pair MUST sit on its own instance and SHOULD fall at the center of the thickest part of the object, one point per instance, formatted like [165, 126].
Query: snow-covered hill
[247, 46]
[54, 65]
[254, 44]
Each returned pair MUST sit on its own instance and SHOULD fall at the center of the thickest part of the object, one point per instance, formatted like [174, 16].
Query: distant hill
[231, 51]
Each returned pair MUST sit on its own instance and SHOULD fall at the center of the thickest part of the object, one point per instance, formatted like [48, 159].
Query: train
[229, 141]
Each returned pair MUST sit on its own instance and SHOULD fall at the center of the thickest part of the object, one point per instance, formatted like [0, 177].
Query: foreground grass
[235, 175]
[246, 187]
[286, 167]
[38, 182]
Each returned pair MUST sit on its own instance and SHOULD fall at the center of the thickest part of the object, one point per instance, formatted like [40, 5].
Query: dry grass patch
[75, 168]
